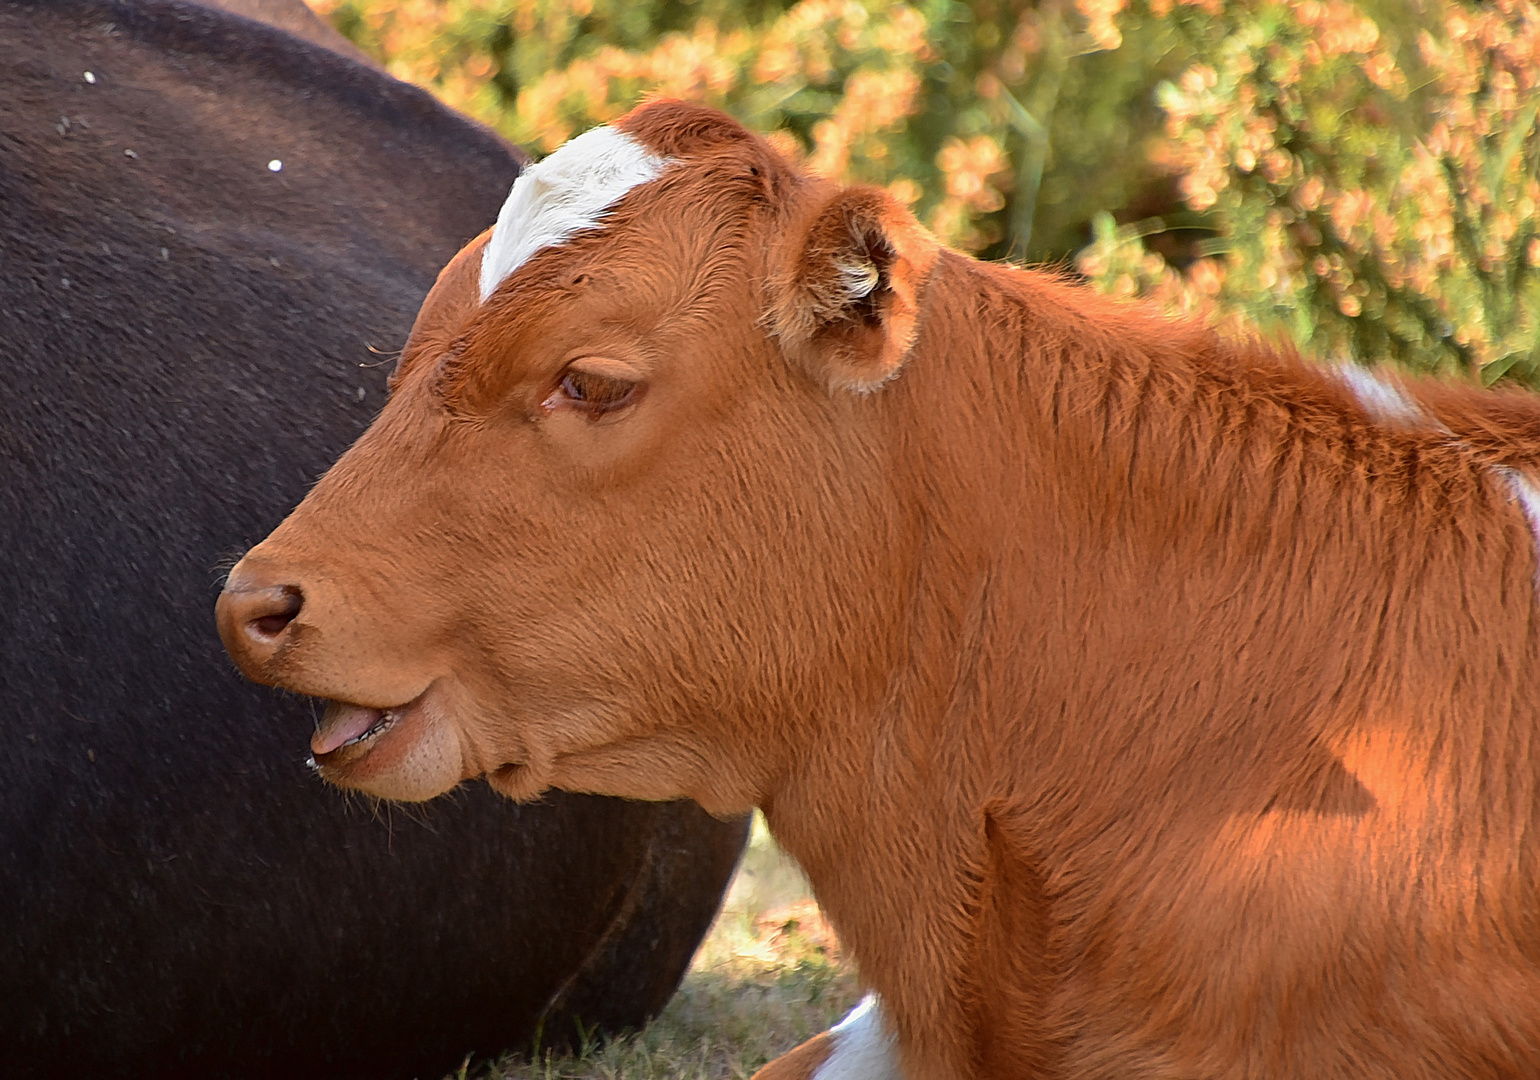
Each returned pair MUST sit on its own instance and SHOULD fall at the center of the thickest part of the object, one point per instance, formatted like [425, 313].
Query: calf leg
[860, 1047]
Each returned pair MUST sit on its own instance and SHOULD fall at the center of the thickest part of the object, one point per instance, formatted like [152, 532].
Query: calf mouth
[347, 732]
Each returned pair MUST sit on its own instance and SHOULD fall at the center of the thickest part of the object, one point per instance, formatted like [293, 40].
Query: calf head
[626, 523]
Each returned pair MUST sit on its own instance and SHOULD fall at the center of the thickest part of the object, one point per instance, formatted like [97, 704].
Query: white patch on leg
[1383, 401]
[566, 193]
[864, 1048]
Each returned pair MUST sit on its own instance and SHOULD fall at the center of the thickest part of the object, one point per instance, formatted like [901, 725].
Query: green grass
[768, 976]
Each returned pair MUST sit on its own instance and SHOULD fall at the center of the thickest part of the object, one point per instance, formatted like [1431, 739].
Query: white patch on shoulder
[864, 1048]
[566, 193]
[1528, 497]
[1383, 401]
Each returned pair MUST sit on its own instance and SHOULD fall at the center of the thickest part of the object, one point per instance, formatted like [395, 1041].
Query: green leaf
[1496, 369]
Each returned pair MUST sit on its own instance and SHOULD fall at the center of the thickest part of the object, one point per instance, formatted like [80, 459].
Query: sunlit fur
[1138, 703]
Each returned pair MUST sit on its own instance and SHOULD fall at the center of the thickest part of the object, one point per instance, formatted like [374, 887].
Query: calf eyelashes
[592, 393]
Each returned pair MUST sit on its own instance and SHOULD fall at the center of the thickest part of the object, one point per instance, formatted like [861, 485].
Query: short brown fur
[1138, 704]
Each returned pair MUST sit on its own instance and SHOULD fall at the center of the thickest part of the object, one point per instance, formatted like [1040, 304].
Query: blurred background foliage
[1361, 177]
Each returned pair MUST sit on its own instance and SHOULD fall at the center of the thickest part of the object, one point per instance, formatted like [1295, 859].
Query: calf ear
[846, 301]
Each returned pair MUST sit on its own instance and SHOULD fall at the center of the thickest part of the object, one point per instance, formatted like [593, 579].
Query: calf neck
[1139, 705]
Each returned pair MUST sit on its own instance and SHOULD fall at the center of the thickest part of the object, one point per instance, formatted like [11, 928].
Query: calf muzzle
[255, 616]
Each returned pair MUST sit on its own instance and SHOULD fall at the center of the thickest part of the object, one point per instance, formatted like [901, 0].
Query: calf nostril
[284, 604]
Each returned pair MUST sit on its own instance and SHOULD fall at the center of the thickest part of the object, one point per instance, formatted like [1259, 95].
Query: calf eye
[591, 393]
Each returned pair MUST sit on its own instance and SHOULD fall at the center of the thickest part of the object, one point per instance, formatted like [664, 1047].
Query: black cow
[204, 225]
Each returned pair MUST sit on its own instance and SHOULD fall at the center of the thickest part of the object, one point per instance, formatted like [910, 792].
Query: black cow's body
[293, 17]
[181, 333]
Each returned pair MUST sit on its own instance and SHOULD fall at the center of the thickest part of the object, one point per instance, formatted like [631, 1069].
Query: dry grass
[768, 976]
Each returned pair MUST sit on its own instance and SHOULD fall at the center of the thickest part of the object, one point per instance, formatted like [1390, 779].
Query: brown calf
[1138, 704]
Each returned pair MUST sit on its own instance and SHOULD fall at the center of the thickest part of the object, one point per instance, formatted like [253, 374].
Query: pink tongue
[342, 723]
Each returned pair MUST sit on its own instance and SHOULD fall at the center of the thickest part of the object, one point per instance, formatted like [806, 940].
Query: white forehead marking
[1383, 401]
[564, 194]
[864, 1049]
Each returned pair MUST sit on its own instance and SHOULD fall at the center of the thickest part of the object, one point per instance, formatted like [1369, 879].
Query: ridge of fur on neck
[1141, 405]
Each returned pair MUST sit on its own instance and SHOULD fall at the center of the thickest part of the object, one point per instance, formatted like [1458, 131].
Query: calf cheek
[757, 569]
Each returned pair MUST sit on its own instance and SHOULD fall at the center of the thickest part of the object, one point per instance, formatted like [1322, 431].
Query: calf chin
[417, 759]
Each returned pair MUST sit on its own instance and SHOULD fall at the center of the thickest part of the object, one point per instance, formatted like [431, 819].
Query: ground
[768, 976]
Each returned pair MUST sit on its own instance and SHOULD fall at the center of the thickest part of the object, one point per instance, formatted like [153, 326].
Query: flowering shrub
[1375, 189]
[952, 106]
[1359, 176]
